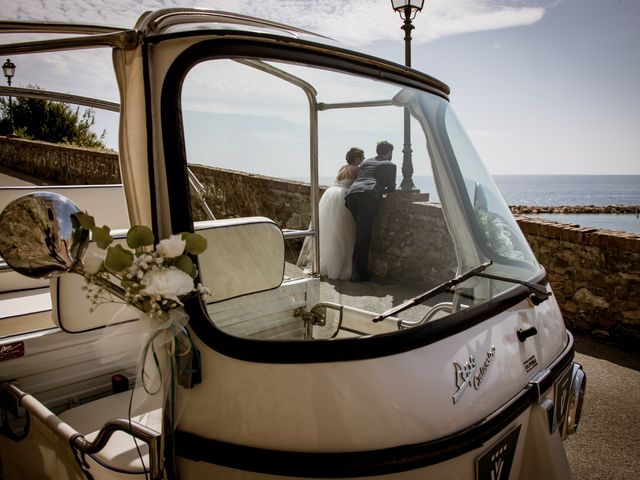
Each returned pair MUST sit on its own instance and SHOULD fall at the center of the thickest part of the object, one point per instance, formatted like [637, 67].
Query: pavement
[12, 178]
[607, 445]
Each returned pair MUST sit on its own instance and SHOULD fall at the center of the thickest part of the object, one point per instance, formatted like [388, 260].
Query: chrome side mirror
[39, 237]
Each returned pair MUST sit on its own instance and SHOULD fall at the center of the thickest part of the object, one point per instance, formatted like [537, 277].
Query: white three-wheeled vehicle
[452, 362]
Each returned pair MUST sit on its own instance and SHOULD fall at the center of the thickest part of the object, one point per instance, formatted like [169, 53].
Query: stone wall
[393, 252]
[423, 253]
[59, 164]
[595, 273]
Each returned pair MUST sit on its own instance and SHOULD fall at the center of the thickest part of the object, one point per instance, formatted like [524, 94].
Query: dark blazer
[375, 177]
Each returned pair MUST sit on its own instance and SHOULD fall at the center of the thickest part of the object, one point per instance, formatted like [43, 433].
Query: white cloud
[360, 22]
[354, 22]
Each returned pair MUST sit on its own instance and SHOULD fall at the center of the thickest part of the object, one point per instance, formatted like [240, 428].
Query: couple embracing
[347, 212]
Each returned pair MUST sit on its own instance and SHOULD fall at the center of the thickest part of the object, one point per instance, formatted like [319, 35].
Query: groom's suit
[363, 198]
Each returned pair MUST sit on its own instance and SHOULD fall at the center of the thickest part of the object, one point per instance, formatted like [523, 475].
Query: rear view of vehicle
[452, 361]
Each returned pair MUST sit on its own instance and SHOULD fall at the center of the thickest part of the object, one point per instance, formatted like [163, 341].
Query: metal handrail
[33, 407]
[59, 97]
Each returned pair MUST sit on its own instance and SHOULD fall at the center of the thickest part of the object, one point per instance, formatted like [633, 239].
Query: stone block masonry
[59, 164]
[594, 273]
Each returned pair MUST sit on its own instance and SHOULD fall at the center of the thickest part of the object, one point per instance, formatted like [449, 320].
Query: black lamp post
[9, 70]
[407, 10]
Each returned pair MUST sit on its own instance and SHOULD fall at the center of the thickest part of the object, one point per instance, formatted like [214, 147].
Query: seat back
[244, 256]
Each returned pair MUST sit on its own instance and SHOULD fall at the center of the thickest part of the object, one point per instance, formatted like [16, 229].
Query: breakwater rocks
[593, 209]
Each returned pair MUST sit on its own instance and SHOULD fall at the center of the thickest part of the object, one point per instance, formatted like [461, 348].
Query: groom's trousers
[364, 207]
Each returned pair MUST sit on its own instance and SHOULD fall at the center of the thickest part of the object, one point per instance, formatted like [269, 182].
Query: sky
[541, 86]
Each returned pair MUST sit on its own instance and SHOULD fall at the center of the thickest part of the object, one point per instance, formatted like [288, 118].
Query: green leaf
[185, 264]
[101, 236]
[118, 258]
[85, 220]
[139, 236]
[196, 244]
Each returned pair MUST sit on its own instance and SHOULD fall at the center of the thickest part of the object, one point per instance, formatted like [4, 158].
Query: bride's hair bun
[353, 154]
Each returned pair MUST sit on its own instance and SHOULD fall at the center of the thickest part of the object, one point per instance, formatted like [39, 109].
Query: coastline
[593, 209]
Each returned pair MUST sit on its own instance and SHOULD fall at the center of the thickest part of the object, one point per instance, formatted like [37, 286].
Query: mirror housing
[39, 235]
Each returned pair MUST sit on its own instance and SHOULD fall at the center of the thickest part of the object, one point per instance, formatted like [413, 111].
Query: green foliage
[86, 221]
[196, 244]
[139, 236]
[48, 121]
[185, 264]
[118, 259]
[102, 236]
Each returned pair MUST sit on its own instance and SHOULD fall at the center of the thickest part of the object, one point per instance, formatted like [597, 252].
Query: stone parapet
[396, 252]
[59, 164]
[595, 273]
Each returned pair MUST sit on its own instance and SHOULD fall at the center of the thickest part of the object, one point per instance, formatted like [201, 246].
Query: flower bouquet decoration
[156, 279]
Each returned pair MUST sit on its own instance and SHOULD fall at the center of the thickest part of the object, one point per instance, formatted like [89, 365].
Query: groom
[376, 176]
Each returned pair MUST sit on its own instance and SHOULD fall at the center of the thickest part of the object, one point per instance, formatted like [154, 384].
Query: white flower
[168, 283]
[92, 263]
[171, 247]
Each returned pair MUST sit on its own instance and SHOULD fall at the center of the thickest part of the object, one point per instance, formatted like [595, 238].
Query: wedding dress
[337, 234]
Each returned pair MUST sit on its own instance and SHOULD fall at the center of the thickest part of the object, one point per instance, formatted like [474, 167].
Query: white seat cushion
[120, 453]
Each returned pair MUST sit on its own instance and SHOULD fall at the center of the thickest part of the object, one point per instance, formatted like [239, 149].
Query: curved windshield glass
[338, 206]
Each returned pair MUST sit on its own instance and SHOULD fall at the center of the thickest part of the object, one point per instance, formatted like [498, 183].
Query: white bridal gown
[337, 234]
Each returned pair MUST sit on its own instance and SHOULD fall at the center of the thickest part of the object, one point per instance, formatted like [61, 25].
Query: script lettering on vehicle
[11, 350]
[471, 373]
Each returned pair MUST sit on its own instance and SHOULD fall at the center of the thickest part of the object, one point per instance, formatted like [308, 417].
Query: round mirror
[39, 237]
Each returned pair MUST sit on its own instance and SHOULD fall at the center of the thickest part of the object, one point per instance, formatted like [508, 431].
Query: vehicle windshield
[259, 134]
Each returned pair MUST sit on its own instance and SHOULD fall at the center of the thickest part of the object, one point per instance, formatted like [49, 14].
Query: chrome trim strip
[126, 39]
[16, 26]
[372, 103]
[60, 97]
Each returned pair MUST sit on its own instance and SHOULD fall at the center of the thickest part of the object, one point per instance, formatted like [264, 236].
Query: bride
[337, 226]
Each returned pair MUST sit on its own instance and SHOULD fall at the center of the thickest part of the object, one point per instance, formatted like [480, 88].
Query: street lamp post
[9, 70]
[407, 10]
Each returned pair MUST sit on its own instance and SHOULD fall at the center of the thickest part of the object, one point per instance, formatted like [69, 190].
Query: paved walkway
[607, 445]
[9, 178]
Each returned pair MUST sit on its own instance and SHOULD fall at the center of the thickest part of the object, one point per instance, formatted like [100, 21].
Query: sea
[558, 190]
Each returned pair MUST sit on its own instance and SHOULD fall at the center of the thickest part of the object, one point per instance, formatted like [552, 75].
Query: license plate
[495, 463]
[561, 398]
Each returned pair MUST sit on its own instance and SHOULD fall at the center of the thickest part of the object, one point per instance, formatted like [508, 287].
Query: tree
[49, 121]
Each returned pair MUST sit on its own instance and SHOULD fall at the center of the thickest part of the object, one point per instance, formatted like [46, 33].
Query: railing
[12, 398]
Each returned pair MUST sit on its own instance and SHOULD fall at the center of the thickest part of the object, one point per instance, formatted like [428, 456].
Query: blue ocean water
[557, 190]
[553, 190]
